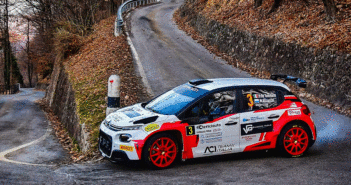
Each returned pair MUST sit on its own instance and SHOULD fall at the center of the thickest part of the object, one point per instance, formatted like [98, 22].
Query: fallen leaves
[101, 55]
[183, 24]
[294, 21]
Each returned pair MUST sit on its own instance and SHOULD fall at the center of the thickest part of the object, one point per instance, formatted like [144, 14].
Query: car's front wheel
[160, 151]
[293, 140]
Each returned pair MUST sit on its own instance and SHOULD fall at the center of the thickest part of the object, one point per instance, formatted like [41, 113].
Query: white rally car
[207, 117]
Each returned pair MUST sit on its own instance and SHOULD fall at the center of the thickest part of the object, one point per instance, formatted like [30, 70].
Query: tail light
[305, 110]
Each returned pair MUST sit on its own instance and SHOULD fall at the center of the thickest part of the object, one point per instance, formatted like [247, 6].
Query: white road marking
[4, 153]
[140, 67]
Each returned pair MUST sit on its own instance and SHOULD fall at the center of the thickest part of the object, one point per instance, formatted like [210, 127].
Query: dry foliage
[184, 25]
[299, 21]
[101, 55]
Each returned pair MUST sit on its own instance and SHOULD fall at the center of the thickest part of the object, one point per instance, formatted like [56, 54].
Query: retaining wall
[60, 96]
[328, 72]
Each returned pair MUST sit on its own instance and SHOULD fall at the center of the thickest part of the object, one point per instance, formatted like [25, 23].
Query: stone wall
[60, 96]
[328, 72]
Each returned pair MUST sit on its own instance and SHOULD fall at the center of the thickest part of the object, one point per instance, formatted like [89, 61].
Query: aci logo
[244, 120]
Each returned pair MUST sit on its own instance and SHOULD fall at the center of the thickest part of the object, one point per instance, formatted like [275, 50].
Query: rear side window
[258, 99]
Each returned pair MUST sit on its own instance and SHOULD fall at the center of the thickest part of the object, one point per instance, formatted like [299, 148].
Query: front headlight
[119, 128]
[131, 127]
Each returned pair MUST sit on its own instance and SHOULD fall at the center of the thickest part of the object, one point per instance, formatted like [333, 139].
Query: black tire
[294, 140]
[164, 156]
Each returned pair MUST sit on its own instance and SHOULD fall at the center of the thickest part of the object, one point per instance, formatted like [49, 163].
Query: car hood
[132, 115]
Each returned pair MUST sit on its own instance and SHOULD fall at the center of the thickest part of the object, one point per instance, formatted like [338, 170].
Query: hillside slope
[78, 90]
[239, 37]
[299, 21]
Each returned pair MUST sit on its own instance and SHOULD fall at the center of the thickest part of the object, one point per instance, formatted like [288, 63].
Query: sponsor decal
[217, 130]
[294, 112]
[248, 128]
[203, 131]
[268, 95]
[248, 138]
[293, 105]
[245, 119]
[205, 126]
[234, 118]
[254, 128]
[152, 127]
[257, 101]
[211, 135]
[190, 130]
[211, 140]
[126, 148]
[131, 113]
[219, 148]
[257, 118]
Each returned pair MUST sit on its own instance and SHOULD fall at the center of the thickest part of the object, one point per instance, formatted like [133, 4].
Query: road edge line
[140, 67]
[4, 153]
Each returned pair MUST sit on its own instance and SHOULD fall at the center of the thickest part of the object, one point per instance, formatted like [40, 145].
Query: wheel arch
[304, 124]
[175, 133]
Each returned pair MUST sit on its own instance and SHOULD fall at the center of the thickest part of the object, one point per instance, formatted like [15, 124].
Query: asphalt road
[30, 154]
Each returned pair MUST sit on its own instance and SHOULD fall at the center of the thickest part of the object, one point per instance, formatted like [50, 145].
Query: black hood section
[146, 120]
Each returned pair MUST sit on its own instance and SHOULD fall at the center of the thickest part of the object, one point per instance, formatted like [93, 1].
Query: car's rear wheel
[293, 140]
[160, 151]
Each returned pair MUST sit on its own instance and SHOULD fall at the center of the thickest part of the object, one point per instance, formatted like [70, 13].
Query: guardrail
[125, 7]
[13, 89]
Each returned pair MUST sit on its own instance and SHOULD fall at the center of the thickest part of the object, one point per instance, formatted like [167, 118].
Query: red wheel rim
[296, 141]
[163, 152]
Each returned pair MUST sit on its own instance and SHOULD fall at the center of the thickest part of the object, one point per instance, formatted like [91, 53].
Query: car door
[215, 122]
[257, 115]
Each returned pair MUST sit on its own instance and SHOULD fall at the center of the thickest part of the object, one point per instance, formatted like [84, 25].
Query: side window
[258, 98]
[216, 104]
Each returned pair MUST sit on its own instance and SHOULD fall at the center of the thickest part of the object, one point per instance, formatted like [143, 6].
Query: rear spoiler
[300, 82]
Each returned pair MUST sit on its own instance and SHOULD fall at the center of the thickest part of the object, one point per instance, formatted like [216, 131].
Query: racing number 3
[190, 130]
[251, 103]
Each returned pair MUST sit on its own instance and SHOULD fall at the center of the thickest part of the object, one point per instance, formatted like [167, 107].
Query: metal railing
[13, 89]
[125, 7]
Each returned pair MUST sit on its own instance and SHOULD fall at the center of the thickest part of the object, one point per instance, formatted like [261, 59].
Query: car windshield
[175, 100]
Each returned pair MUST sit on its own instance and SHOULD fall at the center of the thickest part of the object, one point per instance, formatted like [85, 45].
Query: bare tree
[30, 66]
[11, 72]
[6, 42]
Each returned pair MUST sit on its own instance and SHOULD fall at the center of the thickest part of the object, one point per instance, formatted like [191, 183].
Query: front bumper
[112, 148]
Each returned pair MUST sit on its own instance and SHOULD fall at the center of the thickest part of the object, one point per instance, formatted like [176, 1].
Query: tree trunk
[6, 45]
[275, 5]
[330, 8]
[258, 3]
[29, 62]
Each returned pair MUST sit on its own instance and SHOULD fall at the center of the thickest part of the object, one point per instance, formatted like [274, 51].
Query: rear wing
[299, 81]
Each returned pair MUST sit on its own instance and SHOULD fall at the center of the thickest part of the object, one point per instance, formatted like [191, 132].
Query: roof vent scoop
[199, 81]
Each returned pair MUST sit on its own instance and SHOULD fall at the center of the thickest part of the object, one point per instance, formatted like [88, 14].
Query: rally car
[207, 117]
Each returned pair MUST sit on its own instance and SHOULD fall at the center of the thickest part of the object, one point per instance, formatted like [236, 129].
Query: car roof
[218, 83]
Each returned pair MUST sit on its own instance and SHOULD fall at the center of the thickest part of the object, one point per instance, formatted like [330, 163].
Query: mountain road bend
[167, 57]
